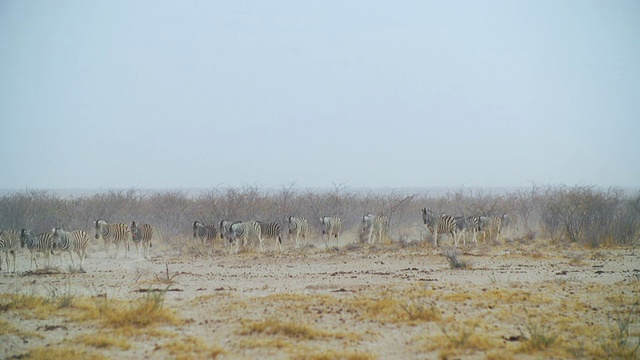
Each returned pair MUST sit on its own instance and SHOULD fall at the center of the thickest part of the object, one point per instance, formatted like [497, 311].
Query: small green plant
[618, 342]
[458, 333]
[421, 312]
[62, 297]
[537, 336]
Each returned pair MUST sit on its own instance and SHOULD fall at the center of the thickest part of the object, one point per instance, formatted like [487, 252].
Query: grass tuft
[455, 259]
[536, 335]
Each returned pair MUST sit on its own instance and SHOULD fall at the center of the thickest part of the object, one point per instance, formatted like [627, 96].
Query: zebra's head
[224, 228]
[24, 237]
[99, 223]
[427, 215]
[196, 225]
[367, 220]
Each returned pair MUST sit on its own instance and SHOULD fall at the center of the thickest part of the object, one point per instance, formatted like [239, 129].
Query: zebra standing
[331, 226]
[205, 232]
[9, 243]
[272, 230]
[70, 242]
[492, 224]
[374, 228]
[37, 243]
[224, 228]
[473, 224]
[141, 236]
[113, 233]
[299, 226]
[242, 232]
[445, 224]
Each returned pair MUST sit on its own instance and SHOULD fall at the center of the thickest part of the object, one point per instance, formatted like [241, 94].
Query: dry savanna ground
[516, 299]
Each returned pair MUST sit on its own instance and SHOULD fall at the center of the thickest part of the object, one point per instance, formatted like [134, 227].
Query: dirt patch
[510, 301]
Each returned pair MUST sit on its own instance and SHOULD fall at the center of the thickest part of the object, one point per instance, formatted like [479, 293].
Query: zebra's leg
[13, 253]
[435, 239]
[71, 257]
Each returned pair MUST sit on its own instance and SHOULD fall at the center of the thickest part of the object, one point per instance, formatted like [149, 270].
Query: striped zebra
[37, 243]
[224, 228]
[141, 236]
[374, 228]
[272, 230]
[331, 226]
[205, 232]
[243, 232]
[9, 243]
[472, 224]
[445, 224]
[113, 233]
[492, 224]
[300, 227]
[70, 242]
[464, 227]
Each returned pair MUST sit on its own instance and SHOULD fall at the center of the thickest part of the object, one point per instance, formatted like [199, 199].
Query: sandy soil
[514, 300]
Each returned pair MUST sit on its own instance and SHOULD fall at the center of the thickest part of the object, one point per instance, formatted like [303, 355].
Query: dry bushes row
[587, 215]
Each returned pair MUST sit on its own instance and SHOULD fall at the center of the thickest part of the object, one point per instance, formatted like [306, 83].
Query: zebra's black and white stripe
[271, 230]
[374, 228]
[113, 233]
[37, 243]
[141, 236]
[300, 227]
[445, 224]
[9, 243]
[243, 232]
[205, 232]
[331, 226]
[70, 242]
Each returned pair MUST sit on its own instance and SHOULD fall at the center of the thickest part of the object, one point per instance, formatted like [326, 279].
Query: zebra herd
[240, 234]
[76, 241]
[458, 227]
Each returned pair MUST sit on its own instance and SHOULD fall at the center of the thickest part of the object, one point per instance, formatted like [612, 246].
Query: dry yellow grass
[191, 348]
[62, 353]
[104, 341]
[291, 329]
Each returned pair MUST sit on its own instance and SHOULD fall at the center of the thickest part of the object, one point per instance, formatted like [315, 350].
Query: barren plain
[515, 299]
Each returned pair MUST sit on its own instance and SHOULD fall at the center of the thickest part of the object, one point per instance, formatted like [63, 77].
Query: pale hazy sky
[180, 94]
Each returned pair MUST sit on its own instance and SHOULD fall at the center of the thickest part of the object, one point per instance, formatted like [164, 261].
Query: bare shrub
[455, 259]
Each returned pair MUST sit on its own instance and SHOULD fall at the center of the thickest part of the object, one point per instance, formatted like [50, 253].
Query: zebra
[9, 243]
[272, 230]
[113, 233]
[331, 226]
[37, 243]
[445, 224]
[374, 227]
[492, 224]
[299, 226]
[205, 232]
[224, 228]
[473, 224]
[242, 232]
[75, 241]
[141, 236]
